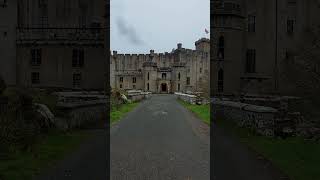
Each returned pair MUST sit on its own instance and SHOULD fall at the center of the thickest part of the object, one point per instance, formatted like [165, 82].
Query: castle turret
[228, 43]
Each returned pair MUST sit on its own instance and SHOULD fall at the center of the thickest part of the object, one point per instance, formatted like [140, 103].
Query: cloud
[128, 31]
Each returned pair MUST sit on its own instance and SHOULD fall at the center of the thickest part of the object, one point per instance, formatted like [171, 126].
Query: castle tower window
[221, 47]
[148, 87]
[134, 80]
[164, 76]
[220, 80]
[35, 77]
[35, 57]
[76, 80]
[188, 80]
[121, 79]
[178, 87]
[77, 58]
[200, 70]
[120, 86]
[148, 76]
[251, 23]
[179, 76]
[251, 61]
[290, 26]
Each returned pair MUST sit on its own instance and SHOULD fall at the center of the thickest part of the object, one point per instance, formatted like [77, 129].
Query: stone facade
[254, 41]
[181, 70]
[53, 43]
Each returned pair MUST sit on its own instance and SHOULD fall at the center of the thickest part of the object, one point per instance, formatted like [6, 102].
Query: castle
[257, 44]
[54, 43]
[182, 70]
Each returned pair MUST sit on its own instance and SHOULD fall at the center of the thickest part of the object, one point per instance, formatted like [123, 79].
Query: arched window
[220, 80]
[221, 47]
[148, 76]
[148, 87]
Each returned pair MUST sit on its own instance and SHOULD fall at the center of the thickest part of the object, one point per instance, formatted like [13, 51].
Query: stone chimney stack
[179, 45]
[115, 53]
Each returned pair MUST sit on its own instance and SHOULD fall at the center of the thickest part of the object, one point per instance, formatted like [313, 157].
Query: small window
[188, 80]
[5, 33]
[164, 76]
[120, 86]
[221, 48]
[290, 26]
[78, 58]
[148, 87]
[200, 70]
[251, 61]
[76, 80]
[134, 80]
[121, 79]
[35, 57]
[179, 76]
[178, 87]
[35, 78]
[148, 76]
[251, 23]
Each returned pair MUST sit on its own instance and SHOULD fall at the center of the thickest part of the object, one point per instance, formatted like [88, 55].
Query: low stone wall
[138, 95]
[186, 97]
[260, 118]
[81, 115]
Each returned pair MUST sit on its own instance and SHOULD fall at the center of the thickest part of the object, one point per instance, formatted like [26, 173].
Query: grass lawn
[53, 147]
[296, 157]
[117, 113]
[202, 111]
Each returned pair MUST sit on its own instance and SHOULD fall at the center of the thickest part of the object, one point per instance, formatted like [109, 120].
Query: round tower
[228, 42]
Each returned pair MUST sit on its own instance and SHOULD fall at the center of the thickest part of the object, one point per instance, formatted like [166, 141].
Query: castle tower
[228, 43]
[150, 74]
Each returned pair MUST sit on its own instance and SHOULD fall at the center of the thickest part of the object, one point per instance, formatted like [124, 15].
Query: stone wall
[259, 118]
[186, 97]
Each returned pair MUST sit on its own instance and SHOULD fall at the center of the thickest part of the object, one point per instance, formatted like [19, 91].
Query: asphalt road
[160, 140]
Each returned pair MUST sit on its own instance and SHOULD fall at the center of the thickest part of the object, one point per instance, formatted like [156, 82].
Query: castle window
[178, 87]
[220, 80]
[120, 86]
[221, 47]
[121, 79]
[290, 26]
[134, 80]
[251, 23]
[179, 76]
[43, 3]
[3, 3]
[35, 77]
[188, 80]
[35, 57]
[148, 87]
[77, 58]
[148, 76]
[164, 76]
[200, 70]
[251, 61]
[76, 80]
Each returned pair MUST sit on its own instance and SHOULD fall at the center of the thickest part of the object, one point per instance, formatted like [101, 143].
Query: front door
[164, 88]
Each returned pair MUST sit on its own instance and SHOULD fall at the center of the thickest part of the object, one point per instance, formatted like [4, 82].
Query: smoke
[128, 31]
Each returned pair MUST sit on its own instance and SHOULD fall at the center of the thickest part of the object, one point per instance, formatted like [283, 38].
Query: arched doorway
[164, 88]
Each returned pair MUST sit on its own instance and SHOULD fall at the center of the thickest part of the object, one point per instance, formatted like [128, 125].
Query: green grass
[202, 111]
[296, 157]
[53, 147]
[117, 113]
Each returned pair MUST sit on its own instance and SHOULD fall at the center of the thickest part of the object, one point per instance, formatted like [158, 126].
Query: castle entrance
[164, 88]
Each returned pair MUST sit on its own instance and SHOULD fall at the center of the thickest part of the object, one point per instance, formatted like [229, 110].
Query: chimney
[179, 45]
[115, 53]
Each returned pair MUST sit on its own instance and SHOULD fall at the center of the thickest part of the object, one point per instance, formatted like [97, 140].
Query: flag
[206, 31]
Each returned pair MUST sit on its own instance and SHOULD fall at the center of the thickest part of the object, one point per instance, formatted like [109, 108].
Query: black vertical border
[107, 84]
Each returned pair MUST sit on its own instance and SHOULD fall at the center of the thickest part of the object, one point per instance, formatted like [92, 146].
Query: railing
[59, 35]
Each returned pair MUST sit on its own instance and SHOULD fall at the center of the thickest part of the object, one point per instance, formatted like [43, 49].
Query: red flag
[206, 31]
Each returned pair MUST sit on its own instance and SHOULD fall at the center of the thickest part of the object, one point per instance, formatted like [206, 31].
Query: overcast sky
[140, 25]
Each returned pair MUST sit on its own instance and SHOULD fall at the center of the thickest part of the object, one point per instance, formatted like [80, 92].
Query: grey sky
[140, 25]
